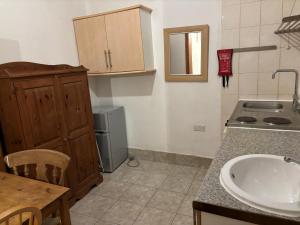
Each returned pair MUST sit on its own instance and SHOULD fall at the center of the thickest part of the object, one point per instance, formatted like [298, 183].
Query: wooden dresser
[48, 106]
[2, 165]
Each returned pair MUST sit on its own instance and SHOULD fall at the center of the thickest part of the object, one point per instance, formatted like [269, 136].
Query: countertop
[212, 198]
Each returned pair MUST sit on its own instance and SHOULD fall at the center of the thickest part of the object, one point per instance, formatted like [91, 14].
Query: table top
[16, 190]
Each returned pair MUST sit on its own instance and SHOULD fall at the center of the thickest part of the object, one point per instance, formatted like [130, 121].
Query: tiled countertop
[238, 141]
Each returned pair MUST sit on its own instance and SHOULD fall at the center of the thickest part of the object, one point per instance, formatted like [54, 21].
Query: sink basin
[263, 106]
[265, 182]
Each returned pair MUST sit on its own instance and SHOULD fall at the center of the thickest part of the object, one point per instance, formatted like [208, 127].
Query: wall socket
[200, 128]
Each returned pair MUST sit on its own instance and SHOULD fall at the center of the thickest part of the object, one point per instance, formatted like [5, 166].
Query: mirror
[186, 53]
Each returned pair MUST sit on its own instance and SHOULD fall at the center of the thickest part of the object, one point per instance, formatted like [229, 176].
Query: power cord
[132, 161]
[100, 159]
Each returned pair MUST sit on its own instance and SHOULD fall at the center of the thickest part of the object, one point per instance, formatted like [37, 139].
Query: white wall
[39, 31]
[160, 115]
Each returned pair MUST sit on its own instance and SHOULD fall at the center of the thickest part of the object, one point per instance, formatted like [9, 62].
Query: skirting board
[171, 158]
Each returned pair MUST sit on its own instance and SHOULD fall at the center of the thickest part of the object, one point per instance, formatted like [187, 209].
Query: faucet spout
[295, 96]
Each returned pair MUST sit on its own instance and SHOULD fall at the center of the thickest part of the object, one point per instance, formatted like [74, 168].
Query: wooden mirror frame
[203, 77]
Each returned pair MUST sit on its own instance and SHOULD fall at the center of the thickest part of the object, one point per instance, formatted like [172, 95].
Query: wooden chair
[21, 215]
[42, 159]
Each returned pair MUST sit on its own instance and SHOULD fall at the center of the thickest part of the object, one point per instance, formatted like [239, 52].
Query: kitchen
[174, 128]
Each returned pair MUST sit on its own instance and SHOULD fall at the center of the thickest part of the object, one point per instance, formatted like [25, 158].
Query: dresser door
[38, 104]
[79, 128]
[2, 166]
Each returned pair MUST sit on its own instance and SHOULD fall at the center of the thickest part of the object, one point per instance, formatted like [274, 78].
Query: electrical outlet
[200, 128]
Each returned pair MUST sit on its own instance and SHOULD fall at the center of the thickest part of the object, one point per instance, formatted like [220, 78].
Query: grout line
[172, 220]
[259, 53]
[239, 56]
[133, 222]
[280, 54]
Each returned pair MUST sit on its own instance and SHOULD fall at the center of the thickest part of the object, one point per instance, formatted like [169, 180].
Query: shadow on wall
[100, 87]
[9, 51]
[133, 86]
[100, 91]
[122, 86]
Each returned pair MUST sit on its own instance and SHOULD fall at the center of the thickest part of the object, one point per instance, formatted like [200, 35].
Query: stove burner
[246, 119]
[276, 121]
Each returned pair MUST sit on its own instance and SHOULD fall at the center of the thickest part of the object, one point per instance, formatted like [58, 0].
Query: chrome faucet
[295, 96]
[289, 160]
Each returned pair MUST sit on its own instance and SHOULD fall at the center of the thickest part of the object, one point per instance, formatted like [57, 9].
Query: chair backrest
[41, 158]
[21, 215]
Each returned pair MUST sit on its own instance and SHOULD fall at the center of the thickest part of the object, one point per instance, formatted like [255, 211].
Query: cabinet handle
[109, 57]
[105, 54]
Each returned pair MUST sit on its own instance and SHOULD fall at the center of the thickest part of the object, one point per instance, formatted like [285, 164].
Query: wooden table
[16, 190]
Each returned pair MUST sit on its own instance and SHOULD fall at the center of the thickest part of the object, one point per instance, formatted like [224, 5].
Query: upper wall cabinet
[117, 42]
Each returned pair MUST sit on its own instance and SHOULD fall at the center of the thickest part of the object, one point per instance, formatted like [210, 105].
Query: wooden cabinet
[204, 218]
[50, 108]
[92, 44]
[116, 42]
[39, 112]
[123, 38]
[2, 165]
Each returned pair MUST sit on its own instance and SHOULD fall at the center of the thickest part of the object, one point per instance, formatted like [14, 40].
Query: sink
[265, 182]
[267, 106]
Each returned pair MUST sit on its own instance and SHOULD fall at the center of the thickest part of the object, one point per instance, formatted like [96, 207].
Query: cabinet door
[38, 105]
[125, 41]
[82, 150]
[79, 130]
[92, 44]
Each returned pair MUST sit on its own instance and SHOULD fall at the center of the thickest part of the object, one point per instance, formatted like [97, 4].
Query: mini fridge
[110, 128]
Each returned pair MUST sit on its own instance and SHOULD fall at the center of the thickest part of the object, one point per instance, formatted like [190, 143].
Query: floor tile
[144, 165]
[101, 222]
[194, 188]
[132, 176]
[151, 179]
[122, 213]
[186, 207]
[167, 201]
[186, 171]
[179, 184]
[138, 194]
[111, 189]
[201, 173]
[116, 175]
[165, 189]
[158, 167]
[79, 219]
[93, 205]
[182, 220]
[150, 216]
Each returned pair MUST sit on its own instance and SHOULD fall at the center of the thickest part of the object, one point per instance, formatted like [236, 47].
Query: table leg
[64, 211]
[197, 217]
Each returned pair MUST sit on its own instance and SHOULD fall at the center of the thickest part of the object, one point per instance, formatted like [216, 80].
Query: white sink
[265, 182]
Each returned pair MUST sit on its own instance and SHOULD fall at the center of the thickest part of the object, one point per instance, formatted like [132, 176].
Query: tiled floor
[152, 194]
